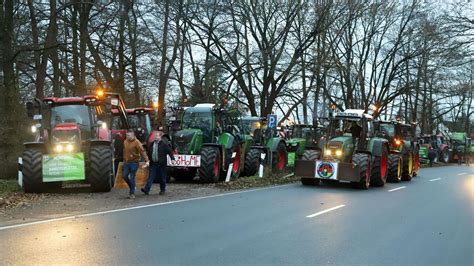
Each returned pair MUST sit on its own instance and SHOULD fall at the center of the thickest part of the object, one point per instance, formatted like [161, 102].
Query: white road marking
[134, 208]
[395, 189]
[325, 211]
[435, 179]
[462, 173]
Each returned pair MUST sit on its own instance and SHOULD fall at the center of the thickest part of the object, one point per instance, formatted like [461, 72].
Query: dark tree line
[294, 58]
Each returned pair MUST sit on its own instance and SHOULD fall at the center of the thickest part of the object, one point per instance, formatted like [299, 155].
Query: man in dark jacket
[158, 150]
[431, 156]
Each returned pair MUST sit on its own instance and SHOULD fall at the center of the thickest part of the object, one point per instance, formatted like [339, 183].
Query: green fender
[375, 146]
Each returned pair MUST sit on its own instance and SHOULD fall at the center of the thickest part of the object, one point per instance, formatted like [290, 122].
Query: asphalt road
[428, 221]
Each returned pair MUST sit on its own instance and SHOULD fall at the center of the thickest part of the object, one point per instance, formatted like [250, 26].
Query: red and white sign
[183, 160]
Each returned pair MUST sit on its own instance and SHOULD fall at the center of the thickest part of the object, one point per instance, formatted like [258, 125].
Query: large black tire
[362, 160]
[311, 155]
[395, 165]
[32, 170]
[380, 169]
[184, 175]
[100, 172]
[310, 181]
[280, 157]
[407, 166]
[444, 156]
[252, 162]
[210, 165]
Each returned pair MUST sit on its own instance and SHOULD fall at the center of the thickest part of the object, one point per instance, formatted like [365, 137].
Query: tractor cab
[65, 124]
[140, 121]
[349, 132]
[302, 137]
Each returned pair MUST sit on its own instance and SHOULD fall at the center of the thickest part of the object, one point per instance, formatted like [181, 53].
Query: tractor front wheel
[210, 165]
[32, 170]
[379, 169]
[362, 160]
[407, 166]
[394, 168]
[252, 162]
[100, 172]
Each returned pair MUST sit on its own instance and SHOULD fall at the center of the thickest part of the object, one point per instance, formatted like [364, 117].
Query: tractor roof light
[100, 93]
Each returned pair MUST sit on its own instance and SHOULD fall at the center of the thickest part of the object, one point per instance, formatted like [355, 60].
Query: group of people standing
[155, 156]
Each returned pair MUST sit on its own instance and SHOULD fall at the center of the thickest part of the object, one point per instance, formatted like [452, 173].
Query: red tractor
[73, 142]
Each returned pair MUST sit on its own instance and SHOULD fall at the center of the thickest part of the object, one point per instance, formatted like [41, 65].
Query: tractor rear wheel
[252, 162]
[407, 166]
[379, 169]
[32, 170]
[100, 172]
[210, 165]
[311, 155]
[310, 181]
[395, 168]
[362, 160]
[280, 157]
[184, 175]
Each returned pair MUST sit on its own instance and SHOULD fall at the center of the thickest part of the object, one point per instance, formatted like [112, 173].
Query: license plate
[182, 160]
[326, 170]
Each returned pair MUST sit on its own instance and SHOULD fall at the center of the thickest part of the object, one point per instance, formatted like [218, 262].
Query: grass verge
[255, 181]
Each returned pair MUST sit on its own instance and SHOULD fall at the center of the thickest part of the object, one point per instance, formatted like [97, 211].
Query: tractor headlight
[33, 129]
[69, 147]
[328, 152]
[338, 152]
[104, 125]
[58, 148]
[398, 142]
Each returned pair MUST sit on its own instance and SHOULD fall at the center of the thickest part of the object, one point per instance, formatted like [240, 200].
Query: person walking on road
[133, 152]
[158, 151]
[431, 156]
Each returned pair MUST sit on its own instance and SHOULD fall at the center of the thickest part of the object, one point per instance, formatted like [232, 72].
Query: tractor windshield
[301, 132]
[198, 120]
[79, 114]
[249, 126]
[343, 126]
[388, 129]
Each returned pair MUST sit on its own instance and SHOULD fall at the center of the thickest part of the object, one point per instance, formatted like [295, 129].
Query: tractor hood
[188, 141]
[340, 142]
[296, 145]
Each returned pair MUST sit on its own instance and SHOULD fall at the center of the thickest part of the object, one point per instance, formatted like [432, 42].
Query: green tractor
[304, 142]
[352, 154]
[404, 158]
[73, 142]
[205, 144]
[461, 145]
[260, 139]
